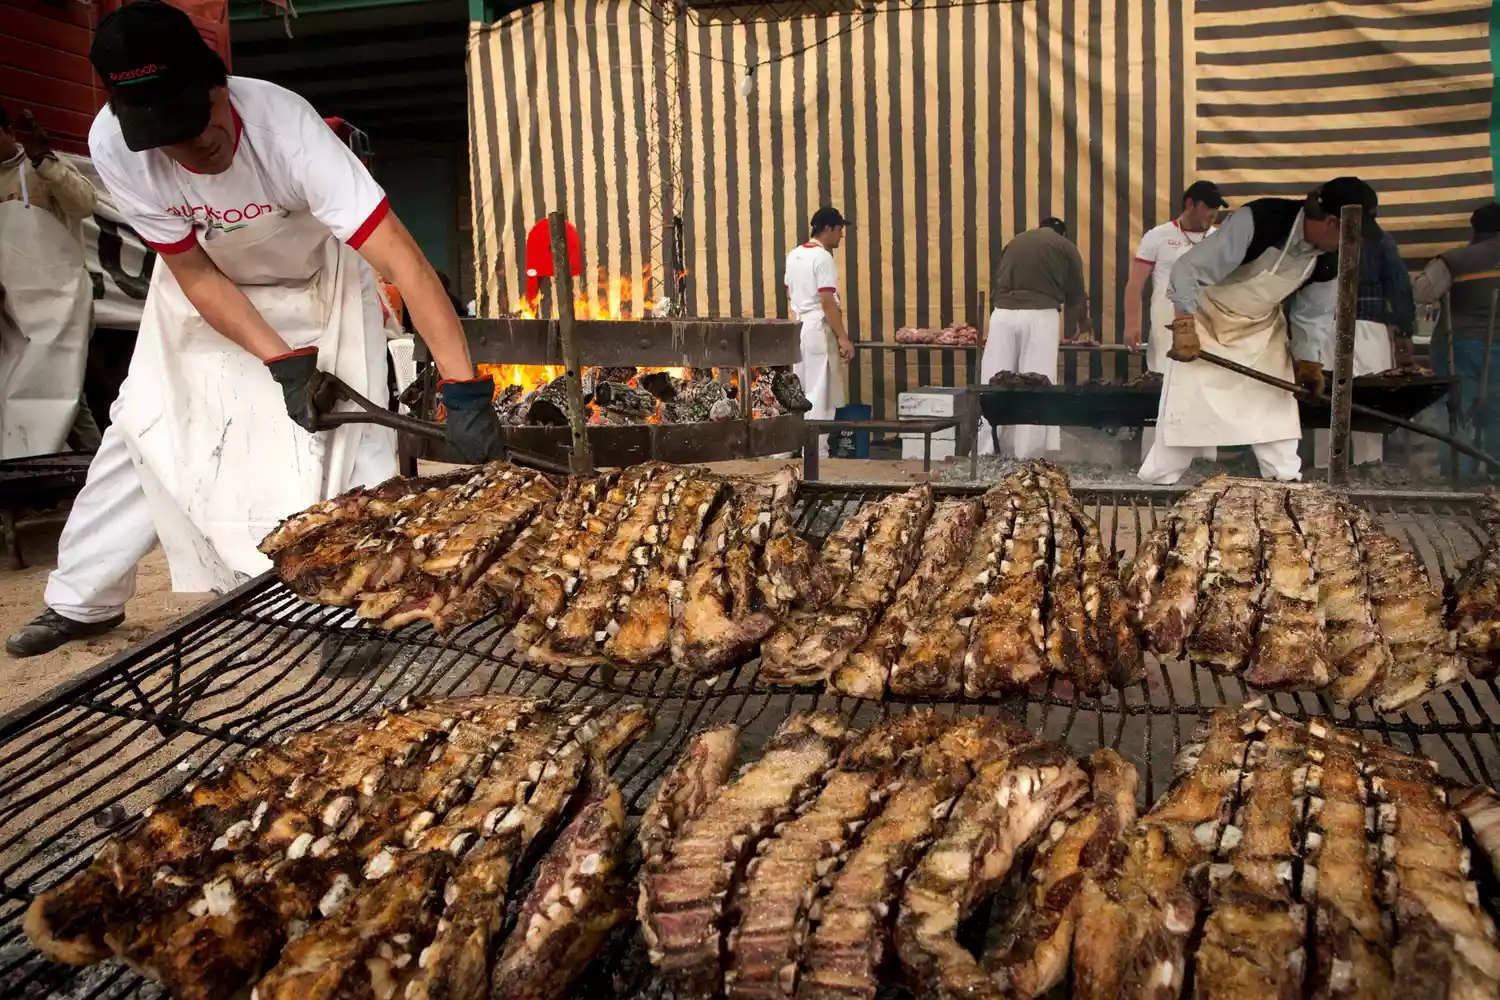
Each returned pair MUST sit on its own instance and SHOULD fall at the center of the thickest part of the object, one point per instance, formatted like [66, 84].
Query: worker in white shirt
[1158, 251]
[46, 296]
[812, 292]
[260, 216]
[1261, 292]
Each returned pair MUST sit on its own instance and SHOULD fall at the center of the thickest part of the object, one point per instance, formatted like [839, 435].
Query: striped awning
[943, 131]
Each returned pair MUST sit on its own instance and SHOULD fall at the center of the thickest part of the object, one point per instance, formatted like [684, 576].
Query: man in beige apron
[1260, 291]
[261, 217]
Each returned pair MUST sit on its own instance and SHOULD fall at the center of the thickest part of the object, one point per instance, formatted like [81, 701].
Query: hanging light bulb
[747, 85]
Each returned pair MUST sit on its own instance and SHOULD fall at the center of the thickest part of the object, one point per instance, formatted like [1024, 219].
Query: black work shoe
[48, 630]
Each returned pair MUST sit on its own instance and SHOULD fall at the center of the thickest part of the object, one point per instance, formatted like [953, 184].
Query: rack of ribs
[1229, 594]
[653, 596]
[575, 635]
[809, 644]
[1137, 916]
[930, 661]
[1252, 944]
[1031, 953]
[1010, 801]
[1476, 596]
[685, 893]
[1007, 648]
[1409, 613]
[1290, 652]
[1167, 620]
[850, 939]
[782, 883]
[726, 604]
[1360, 656]
[948, 537]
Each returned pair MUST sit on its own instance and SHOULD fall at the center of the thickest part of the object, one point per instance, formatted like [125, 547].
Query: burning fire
[611, 297]
[528, 377]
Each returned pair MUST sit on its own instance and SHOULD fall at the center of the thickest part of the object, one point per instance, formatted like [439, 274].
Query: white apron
[1240, 319]
[1159, 337]
[206, 424]
[44, 327]
[821, 369]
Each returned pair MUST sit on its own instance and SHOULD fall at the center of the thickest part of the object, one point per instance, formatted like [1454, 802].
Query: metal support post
[1343, 356]
[581, 457]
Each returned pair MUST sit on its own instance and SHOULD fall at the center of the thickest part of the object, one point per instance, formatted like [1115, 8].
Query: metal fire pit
[665, 343]
[88, 757]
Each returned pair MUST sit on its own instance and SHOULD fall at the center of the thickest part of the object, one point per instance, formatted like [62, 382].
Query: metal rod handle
[581, 457]
[1344, 317]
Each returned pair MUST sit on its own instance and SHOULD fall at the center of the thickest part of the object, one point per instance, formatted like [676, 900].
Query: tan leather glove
[1185, 345]
[1309, 375]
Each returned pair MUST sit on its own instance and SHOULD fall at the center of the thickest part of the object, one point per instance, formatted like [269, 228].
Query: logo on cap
[150, 71]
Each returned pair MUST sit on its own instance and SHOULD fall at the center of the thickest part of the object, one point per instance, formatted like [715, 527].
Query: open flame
[610, 297]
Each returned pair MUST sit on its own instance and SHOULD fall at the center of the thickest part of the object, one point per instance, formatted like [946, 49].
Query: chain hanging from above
[664, 157]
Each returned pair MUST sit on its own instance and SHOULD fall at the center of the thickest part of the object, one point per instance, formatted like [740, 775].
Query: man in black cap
[1037, 274]
[812, 290]
[261, 217]
[1259, 291]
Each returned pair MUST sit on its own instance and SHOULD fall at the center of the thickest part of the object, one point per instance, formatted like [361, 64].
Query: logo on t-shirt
[225, 220]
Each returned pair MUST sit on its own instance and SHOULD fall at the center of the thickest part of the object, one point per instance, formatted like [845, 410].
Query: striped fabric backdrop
[944, 131]
[1290, 94]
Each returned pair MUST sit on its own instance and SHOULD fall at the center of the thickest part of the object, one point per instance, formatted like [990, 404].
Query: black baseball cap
[1205, 193]
[158, 72]
[1055, 224]
[827, 217]
[1341, 191]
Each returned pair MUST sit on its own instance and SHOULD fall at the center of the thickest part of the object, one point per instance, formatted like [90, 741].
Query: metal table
[925, 427]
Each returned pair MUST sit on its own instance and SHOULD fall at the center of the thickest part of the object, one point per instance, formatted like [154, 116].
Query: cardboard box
[931, 401]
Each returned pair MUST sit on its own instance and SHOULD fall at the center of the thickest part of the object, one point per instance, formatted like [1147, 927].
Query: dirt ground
[154, 607]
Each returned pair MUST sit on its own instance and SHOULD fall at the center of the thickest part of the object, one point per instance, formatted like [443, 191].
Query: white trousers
[1021, 340]
[1165, 464]
[108, 532]
[1373, 353]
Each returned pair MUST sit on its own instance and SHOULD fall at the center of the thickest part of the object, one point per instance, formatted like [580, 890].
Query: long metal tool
[1369, 411]
[581, 457]
[1344, 317]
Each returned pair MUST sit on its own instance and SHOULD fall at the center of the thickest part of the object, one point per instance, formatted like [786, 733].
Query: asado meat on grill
[369, 858]
[1291, 859]
[1475, 613]
[1291, 589]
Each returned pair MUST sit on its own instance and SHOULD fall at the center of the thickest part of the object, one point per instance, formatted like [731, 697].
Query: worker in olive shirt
[263, 221]
[1038, 273]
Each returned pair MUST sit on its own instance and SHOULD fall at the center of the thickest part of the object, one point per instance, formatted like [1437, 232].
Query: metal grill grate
[259, 662]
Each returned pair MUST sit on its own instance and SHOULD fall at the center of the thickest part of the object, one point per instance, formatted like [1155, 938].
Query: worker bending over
[1039, 272]
[1260, 291]
[261, 216]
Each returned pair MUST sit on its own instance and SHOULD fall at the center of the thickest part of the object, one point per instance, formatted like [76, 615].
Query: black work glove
[297, 374]
[473, 428]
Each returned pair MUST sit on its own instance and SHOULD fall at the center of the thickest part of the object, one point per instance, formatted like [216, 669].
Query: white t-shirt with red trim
[286, 158]
[1161, 247]
[810, 270]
